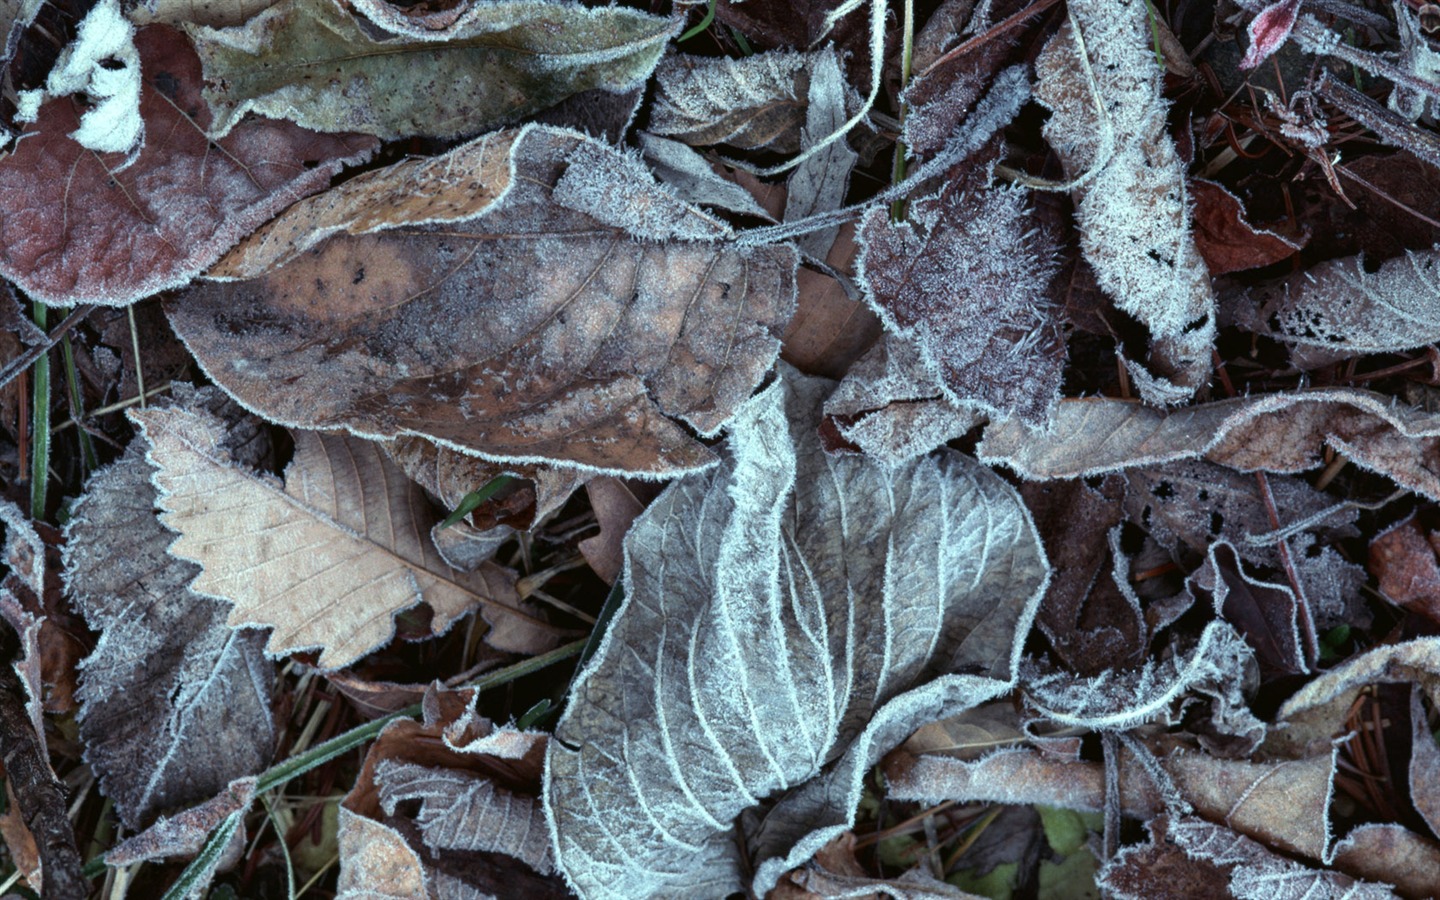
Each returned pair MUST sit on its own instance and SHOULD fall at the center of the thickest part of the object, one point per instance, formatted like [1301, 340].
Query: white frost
[103, 63]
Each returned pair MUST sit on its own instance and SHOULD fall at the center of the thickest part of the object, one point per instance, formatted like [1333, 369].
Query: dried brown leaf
[1276, 433]
[1403, 559]
[753, 102]
[183, 834]
[616, 507]
[326, 559]
[77, 226]
[1225, 238]
[533, 333]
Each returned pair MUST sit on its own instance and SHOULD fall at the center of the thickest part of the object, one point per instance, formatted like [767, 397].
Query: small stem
[77, 406]
[135, 347]
[907, 52]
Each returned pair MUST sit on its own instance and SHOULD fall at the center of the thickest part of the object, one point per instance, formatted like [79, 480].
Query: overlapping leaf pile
[873, 339]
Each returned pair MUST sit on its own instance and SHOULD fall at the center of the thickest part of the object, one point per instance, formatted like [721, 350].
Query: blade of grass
[135, 348]
[40, 427]
[701, 26]
[321, 753]
[77, 405]
[471, 501]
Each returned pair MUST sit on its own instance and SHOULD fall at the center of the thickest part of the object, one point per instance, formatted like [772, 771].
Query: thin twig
[22, 362]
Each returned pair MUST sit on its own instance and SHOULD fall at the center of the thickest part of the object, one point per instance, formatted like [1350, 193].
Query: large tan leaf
[327, 558]
[784, 615]
[1098, 76]
[534, 332]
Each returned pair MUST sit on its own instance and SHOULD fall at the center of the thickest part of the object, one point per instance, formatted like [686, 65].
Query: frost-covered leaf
[459, 185]
[376, 863]
[819, 183]
[463, 811]
[327, 558]
[1276, 433]
[183, 834]
[1415, 661]
[892, 406]
[1403, 559]
[77, 226]
[964, 277]
[316, 63]
[778, 619]
[216, 13]
[173, 703]
[1108, 124]
[1338, 306]
[532, 333]
[1121, 698]
[685, 170]
[752, 102]
[1188, 857]
[1268, 31]
[102, 65]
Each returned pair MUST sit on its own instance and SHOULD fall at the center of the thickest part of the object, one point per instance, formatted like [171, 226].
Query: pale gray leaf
[892, 406]
[689, 175]
[616, 188]
[780, 611]
[819, 183]
[174, 704]
[461, 810]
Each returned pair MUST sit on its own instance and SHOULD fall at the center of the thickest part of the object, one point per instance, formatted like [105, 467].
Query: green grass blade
[40, 427]
[471, 501]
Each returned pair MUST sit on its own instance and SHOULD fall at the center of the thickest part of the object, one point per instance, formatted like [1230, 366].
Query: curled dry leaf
[314, 62]
[1274, 433]
[751, 102]
[775, 635]
[174, 704]
[1099, 78]
[327, 558]
[531, 333]
[1226, 239]
[78, 227]
[183, 834]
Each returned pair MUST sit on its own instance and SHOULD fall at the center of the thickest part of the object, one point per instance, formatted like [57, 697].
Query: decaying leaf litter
[538, 448]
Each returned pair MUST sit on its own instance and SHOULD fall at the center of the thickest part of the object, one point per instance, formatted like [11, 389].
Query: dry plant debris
[1009, 433]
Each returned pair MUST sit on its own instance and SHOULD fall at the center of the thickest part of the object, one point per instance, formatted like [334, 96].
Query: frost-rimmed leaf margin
[783, 614]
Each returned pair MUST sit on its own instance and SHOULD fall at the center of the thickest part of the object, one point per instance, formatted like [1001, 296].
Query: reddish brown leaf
[1403, 560]
[616, 506]
[1268, 31]
[78, 226]
[1226, 241]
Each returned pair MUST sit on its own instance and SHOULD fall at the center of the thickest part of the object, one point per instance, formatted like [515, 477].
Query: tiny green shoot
[471, 501]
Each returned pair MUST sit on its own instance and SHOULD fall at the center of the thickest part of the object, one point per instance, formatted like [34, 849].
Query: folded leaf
[1099, 77]
[328, 558]
[76, 227]
[314, 62]
[531, 333]
[780, 612]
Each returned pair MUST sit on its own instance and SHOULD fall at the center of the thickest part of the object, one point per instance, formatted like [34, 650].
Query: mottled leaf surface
[174, 704]
[78, 226]
[532, 333]
[777, 622]
[327, 558]
[314, 62]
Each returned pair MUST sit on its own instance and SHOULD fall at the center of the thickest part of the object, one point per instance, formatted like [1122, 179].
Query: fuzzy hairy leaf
[688, 173]
[531, 333]
[173, 703]
[819, 183]
[327, 558]
[964, 277]
[752, 102]
[315, 63]
[777, 622]
[1129, 187]
[78, 226]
